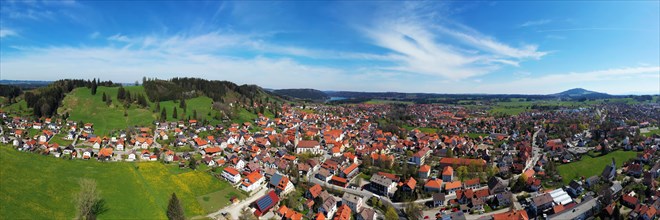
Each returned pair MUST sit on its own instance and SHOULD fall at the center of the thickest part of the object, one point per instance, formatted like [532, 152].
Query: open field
[648, 132]
[244, 116]
[203, 105]
[19, 108]
[46, 186]
[59, 139]
[517, 106]
[590, 166]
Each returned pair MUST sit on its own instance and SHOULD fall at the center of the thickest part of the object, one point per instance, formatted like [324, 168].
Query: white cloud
[422, 42]
[535, 23]
[119, 38]
[7, 33]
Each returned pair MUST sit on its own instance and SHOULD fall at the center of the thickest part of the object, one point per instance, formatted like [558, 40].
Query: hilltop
[101, 103]
[580, 92]
[308, 94]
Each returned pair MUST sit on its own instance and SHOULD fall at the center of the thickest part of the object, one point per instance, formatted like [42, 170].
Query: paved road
[235, 209]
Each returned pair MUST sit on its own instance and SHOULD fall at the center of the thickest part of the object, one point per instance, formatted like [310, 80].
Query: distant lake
[334, 98]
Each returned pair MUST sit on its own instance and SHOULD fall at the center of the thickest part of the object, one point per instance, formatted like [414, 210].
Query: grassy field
[244, 116]
[590, 166]
[46, 186]
[82, 105]
[517, 106]
[651, 132]
[476, 135]
[203, 105]
[18, 108]
[59, 139]
[216, 200]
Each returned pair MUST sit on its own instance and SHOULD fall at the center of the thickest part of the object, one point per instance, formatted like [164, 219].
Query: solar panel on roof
[264, 202]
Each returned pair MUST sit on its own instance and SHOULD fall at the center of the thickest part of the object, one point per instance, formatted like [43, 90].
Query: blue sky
[436, 47]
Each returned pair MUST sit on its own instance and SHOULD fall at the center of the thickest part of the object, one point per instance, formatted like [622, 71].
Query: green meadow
[38, 187]
[590, 166]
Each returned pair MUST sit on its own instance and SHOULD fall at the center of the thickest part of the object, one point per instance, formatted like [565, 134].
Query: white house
[131, 157]
[231, 174]
[252, 181]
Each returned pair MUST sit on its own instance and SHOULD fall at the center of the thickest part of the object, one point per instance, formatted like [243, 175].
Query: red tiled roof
[231, 171]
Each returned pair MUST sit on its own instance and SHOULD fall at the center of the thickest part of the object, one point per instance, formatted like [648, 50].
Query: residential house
[383, 185]
[366, 214]
[324, 175]
[343, 213]
[511, 215]
[329, 206]
[503, 198]
[265, 203]
[447, 174]
[587, 208]
[438, 199]
[313, 191]
[252, 181]
[410, 185]
[352, 201]
[281, 184]
[231, 174]
[496, 185]
[350, 171]
[542, 202]
[433, 185]
[452, 187]
[472, 183]
[424, 171]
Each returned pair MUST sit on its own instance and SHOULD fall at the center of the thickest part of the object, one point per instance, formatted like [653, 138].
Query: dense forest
[309, 94]
[182, 88]
[10, 91]
[45, 100]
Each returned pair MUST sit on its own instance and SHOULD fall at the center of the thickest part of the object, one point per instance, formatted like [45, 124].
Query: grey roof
[577, 211]
[367, 213]
[616, 187]
[381, 180]
[350, 198]
[438, 197]
[542, 199]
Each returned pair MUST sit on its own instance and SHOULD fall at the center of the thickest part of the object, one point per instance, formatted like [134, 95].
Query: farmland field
[47, 185]
[590, 166]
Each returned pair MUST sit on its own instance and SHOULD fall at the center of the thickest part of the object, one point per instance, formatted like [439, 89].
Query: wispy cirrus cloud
[423, 42]
[5, 32]
[535, 23]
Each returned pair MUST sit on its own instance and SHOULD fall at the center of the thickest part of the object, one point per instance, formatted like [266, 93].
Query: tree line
[45, 100]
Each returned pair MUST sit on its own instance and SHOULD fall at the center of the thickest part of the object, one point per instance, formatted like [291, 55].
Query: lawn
[45, 187]
[59, 139]
[651, 132]
[590, 166]
[216, 200]
[476, 135]
[83, 106]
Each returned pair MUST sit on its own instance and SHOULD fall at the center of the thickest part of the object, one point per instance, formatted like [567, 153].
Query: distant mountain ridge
[311, 94]
[580, 92]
